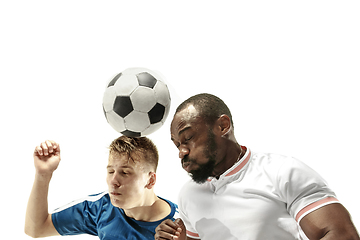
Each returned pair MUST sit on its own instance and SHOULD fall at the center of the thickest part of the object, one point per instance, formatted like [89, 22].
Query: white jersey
[263, 196]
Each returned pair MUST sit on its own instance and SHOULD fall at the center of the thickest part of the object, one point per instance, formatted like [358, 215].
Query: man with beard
[201, 174]
[239, 194]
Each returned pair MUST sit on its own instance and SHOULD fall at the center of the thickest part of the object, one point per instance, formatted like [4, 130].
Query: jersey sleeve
[190, 230]
[78, 217]
[303, 189]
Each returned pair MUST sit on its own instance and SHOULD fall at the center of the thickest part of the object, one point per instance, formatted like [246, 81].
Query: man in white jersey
[239, 194]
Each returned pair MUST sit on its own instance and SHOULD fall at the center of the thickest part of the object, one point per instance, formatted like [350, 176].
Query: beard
[204, 171]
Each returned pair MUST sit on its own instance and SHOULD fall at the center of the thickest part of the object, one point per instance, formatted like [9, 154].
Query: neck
[153, 209]
[140, 212]
[233, 153]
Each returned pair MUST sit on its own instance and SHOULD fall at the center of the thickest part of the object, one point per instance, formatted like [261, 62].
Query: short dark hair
[209, 106]
[140, 149]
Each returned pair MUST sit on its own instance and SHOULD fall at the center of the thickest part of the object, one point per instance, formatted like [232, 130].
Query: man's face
[196, 144]
[126, 181]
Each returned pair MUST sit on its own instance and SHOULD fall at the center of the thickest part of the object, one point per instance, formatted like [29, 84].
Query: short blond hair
[140, 149]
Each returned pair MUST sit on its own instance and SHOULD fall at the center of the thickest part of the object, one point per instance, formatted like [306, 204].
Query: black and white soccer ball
[136, 102]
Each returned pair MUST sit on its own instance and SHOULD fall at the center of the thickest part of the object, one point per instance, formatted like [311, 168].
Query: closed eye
[188, 138]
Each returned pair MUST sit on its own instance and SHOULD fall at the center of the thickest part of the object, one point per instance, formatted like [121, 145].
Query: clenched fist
[47, 157]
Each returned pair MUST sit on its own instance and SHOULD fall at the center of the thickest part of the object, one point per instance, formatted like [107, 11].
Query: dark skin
[188, 132]
[329, 222]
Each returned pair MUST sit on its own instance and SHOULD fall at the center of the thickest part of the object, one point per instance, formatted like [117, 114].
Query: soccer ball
[136, 102]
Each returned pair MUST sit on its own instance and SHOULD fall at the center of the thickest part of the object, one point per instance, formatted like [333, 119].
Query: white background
[289, 71]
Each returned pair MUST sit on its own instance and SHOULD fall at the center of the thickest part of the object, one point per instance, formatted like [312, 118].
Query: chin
[117, 203]
[122, 204]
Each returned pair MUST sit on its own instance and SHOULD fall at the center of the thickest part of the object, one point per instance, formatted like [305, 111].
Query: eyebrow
[181, 132]
[111, 166]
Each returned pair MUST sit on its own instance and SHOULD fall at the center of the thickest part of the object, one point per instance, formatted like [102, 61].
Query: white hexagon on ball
[116, 121]
[152, 128]
[109, 98]
[162, 93]
[126, 84]
[137, 121]
[143, 99]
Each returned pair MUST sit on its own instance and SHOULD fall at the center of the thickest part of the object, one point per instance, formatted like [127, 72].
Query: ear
[152, 180]
[224, 124]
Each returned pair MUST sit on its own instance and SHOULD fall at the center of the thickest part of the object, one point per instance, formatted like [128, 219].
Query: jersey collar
[232, 172]
[239, 165]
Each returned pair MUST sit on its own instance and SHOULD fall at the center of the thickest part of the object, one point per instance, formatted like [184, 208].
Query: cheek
[108, 179]
[198, 153]
[138, 183]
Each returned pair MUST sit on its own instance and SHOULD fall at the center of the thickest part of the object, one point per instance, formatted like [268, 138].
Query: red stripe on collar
[242, 163]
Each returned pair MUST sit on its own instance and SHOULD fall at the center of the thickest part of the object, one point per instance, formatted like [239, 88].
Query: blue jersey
[95, 215]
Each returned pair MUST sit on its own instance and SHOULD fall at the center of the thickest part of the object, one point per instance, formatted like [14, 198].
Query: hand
[171, 230]
[47, 157]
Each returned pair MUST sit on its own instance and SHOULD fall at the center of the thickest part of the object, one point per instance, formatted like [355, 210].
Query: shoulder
[281, 168]
[268, 162]
[286, 170]
[269, 158]
[82, 215]
[173, 207]
[94, 200]
[277, 163]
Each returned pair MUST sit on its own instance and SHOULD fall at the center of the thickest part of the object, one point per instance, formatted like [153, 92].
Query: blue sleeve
[79, 217]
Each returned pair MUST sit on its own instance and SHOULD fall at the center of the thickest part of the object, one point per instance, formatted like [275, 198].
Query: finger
[44, 148]
[165, 235]
[49, 144]
[180, 223]
[167, 230]
[38, 150]
[52, 142]
[168, 226]
[173, 224]
[57, 148]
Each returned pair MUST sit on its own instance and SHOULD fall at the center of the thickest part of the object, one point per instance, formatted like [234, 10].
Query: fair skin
[188, 132]
[38, 221]
[130, 187]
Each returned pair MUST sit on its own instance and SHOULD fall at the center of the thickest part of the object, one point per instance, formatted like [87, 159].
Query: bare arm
[38, 221]
[331, 222]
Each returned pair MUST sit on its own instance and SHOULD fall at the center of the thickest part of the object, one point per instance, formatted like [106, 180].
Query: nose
[183, 151]
[114, 181]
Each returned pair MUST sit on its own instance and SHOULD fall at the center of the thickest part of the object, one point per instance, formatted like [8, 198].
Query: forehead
[184, 119]
[122, 160]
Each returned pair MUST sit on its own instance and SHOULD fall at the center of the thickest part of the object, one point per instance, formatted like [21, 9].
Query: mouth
[115, 194]
[186, 165]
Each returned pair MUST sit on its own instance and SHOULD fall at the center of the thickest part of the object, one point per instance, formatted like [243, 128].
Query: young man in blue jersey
[129, 210]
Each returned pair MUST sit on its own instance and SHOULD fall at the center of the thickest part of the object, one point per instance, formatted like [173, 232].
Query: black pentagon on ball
[156, 114]
[113, 81]
[123, 106]
[145, 79]
[129, 133]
